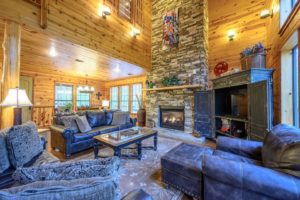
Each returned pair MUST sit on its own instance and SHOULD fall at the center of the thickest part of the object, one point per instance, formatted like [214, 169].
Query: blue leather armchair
[235, 171]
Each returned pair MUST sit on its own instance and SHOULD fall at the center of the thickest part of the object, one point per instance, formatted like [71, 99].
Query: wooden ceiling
[71, 60]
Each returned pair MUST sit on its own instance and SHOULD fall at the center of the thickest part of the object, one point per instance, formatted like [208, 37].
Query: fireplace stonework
[189, 57]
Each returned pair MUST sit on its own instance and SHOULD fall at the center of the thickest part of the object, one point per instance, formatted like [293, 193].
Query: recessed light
[52, 52]
[117, 69]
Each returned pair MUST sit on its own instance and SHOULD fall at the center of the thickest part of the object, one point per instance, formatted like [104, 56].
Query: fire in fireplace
[172, 117]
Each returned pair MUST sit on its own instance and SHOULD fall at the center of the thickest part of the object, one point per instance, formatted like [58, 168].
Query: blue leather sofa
[239, 169]
[69, 142]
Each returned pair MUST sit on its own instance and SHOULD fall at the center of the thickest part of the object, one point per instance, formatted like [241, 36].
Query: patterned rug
[146, 173]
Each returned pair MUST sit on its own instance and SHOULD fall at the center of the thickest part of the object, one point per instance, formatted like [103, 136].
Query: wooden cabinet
[240, 105]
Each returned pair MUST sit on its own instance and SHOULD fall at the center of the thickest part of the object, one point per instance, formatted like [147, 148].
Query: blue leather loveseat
[69, 142]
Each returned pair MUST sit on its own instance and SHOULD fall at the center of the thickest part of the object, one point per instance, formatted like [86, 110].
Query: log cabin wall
[243, 17]
[44, 94]
[79, 22]
[276, 41]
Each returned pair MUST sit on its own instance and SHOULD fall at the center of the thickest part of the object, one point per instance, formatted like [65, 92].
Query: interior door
[259, 110]
[26, 84]
[203, 113]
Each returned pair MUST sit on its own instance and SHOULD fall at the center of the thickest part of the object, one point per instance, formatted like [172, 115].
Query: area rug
[145, 173]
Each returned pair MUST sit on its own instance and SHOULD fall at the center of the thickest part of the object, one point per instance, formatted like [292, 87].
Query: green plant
[170, 81]
[66, 108]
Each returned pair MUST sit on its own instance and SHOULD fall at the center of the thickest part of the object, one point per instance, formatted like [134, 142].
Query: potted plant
[141, 114]
[254, 57]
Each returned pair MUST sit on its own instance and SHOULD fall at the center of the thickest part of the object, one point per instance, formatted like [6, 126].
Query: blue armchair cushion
[120, 118]
[246, 179]
[235, 157]
[96, 118]
[4, 161]
[23, 144]
[281, 149]
[104, 188]
[70, 123]
[68, 171]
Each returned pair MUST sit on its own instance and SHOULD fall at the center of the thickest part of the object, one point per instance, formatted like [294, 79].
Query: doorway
[26, 83]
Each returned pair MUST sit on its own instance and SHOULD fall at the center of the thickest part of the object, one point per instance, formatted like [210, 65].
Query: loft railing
[43, 115]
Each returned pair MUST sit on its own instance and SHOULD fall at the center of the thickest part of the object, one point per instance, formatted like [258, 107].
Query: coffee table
[122, 139]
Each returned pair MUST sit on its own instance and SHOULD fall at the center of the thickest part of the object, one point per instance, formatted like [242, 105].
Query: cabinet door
[203, 113]
[259, 109]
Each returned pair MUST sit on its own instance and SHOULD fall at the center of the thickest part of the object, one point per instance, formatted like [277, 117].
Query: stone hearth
[189, 57]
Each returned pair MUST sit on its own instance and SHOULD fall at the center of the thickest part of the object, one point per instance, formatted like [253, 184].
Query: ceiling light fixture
[52, 52]
[117, 69]
[106, 11]
[135, 32]
[231, 35]
[86, 88]
[266, 13]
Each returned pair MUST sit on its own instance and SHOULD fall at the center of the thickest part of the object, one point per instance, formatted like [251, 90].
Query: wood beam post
[11, 67]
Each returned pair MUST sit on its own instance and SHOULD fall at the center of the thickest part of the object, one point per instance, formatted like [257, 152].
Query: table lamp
[105, 104]
[17, 98]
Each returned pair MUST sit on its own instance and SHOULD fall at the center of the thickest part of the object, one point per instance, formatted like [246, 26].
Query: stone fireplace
[188, 59]
[172, 117]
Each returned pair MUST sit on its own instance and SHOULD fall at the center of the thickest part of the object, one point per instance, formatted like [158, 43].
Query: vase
[141, 117]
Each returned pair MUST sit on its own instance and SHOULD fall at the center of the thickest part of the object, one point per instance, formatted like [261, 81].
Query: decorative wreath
[221, 68]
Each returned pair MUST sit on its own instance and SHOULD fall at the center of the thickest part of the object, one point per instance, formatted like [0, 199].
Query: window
[63, 95]
[114, 98]
[136, 92]
[83, 99]
[295, 87]
[124, 95]
[286, 7]
[125, 9]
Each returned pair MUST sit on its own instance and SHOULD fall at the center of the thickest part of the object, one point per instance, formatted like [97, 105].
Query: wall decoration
[221, 68]
[170, 30]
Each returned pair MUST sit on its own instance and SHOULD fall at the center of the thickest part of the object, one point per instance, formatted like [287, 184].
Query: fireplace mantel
[178, 87]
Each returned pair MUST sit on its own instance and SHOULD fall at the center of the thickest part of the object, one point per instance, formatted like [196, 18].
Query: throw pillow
[68, 171]
[70, 123]
[58, 117]
[4, 161]
[104, 188]
[23, 144]
[96, 118]
[120, 118]
[109, 116]
[281, 149]
[83, 124]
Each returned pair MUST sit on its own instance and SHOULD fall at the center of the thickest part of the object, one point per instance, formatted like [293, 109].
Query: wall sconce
[266, 13]
[231, 35]
[106, 11]
[135, 32]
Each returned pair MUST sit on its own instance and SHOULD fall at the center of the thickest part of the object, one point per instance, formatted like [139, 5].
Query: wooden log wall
[44, 94]
[276, 41]
[241, 16]
[79, 22]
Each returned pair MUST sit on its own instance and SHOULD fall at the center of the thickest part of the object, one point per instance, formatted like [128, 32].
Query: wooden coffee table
[122, 139]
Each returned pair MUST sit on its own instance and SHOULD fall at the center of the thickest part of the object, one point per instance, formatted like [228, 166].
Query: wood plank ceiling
[71, 59]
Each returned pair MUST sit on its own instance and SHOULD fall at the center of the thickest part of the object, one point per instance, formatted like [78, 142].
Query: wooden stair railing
[43, 115]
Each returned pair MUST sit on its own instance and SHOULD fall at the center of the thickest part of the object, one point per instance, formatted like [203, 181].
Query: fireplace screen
[172, 117]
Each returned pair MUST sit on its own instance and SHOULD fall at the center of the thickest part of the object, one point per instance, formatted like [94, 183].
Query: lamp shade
[105, 103]
[16, 97]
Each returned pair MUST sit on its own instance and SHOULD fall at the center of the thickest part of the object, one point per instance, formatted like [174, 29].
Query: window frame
[132, 96]
[89, 105]
[118, 99]
[55, 90]
[294, 7]
[128, 98]
[295, 83]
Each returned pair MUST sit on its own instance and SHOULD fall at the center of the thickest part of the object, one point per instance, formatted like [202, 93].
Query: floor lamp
[16, 98]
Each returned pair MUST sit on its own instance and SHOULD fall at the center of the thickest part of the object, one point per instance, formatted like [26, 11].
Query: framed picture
[170, 30]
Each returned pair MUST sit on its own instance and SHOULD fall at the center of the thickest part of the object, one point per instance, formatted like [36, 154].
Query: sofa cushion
[120, 118]
[83, 124]
[96, 118]
[23, 144]
[235, 157]
[4, 161]
[104, 188]
[95, 131]
[68, 171]
[70, 123]
[58, 116]
[109, 116]
[281, 149]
